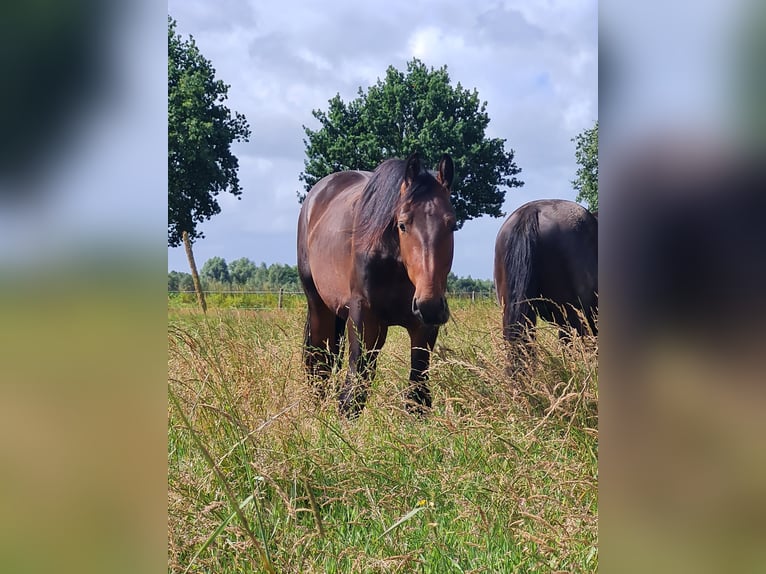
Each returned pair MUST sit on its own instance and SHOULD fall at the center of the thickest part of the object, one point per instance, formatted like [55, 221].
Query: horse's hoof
[417, 409]
[350, 413]
[351, 407]
[418, 402]
[319, 392]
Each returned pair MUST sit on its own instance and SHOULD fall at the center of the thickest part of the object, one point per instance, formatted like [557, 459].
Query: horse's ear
[413, 168]
[446, 171]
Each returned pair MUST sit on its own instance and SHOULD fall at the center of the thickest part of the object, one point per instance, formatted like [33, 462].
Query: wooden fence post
[279, 301]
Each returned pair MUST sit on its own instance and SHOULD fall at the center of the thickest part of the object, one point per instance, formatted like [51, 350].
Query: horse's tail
[521, 274]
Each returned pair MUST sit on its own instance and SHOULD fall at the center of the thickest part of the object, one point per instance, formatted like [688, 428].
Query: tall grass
[500, 477]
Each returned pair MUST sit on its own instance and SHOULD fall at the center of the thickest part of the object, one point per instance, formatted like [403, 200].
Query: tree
[216, 269]
[180, 281]
[241, 270]
[186, 283]
[457, 284]
[285, 276]
[416, 111]
[201, 130]
[586, 153]
[173, 277]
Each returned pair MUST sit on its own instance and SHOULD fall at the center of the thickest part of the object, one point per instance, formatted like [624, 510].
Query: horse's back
[325, 226]
[569, 226]
[541, 221]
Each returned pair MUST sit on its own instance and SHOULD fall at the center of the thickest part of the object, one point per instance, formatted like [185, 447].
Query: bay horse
[374, 250]
[546, 264]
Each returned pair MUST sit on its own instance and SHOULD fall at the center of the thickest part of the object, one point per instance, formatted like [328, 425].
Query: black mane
[380, 201]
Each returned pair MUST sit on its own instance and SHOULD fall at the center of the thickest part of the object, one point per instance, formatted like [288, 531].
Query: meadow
[500, 477]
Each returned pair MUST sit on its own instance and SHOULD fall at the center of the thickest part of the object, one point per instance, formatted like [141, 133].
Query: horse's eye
[402, 227]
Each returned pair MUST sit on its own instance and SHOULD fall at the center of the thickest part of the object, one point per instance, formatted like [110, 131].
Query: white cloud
[534, 62]
[431, 43]
[576, 114]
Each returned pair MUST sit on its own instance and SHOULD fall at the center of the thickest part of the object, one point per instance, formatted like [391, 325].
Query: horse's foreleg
[422, 340]
[365, 338]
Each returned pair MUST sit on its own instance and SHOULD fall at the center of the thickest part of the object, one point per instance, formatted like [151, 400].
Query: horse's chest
[389, 291]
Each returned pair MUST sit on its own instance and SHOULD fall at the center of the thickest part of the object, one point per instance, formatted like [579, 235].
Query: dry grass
[500, 477]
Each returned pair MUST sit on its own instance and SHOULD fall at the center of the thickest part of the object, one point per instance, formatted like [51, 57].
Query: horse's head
[425, 222]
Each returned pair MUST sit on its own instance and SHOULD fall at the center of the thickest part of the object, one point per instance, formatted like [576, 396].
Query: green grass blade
[402, 520]
[265, 562]
[217, 531]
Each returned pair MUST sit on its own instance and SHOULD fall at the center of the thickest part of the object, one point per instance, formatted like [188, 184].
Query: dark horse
[374, 250]
[546, 264]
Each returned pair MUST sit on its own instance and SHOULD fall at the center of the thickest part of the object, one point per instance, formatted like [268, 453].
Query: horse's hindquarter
[325, 230]
[568, 243]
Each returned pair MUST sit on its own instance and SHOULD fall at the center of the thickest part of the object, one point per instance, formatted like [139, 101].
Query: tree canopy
[240, 273]
[242, 269]
[415, 111]
[180, 281]
[216, 269]
[457, 284]
[586, 153]
[245, 274]
[201, 130]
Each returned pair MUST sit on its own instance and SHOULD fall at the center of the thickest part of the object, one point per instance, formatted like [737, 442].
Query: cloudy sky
[535, 62]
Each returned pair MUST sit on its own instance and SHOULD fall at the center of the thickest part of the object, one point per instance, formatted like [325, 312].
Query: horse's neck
[387, 250]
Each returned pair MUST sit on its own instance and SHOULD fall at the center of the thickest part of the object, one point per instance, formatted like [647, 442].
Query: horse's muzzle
[431, 311]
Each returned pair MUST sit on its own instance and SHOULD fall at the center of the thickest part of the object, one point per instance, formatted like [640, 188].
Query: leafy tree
[216, 269]
[416, 111]
[173, 281]
[586, 153]
[258, 281]
[201, 130]
[457, 284]
[275, 276]
[282, 275]
[186, 283]
[180, 281]
[241, 270]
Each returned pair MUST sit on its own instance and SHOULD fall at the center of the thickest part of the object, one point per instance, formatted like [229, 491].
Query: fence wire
[263, 300]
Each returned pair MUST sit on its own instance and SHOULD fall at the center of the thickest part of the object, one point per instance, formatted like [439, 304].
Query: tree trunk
[195, 275]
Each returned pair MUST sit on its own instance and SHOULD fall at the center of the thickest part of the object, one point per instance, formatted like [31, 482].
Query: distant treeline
[244, 275]
[240, 274]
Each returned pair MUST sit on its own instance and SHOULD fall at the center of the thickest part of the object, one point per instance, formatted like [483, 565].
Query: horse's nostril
[414, 305]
